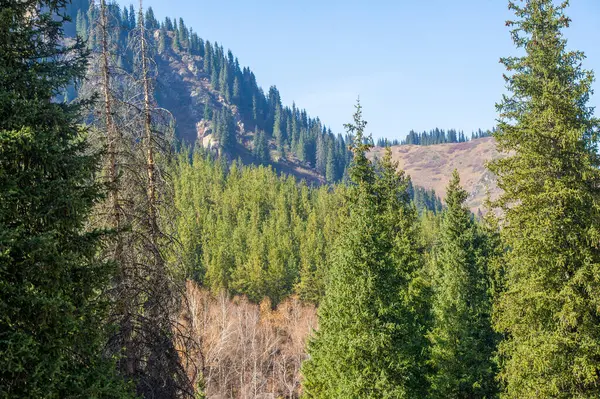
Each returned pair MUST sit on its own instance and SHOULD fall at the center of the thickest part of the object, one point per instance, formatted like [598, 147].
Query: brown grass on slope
[431, 166]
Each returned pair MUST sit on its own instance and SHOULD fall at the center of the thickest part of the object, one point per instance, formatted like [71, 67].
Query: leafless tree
[249, 350]
[148, 294]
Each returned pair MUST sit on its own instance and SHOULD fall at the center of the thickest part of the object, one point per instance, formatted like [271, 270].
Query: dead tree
[146, 294]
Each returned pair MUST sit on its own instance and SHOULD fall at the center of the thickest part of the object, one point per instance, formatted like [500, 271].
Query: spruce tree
[162, 40]
[214, 78]
[208, 55]
[462, 339]
[261, 148]
[81, 25]
[548, 311]
[227, 130]
[207, 115]
[175, 44]
[151, 22]
[369, 342]
[183, 34]
[52, 317]
[330, 168]
[168, 24]
[132, 20]
[224, 83]
[237, 90]
[277, 131]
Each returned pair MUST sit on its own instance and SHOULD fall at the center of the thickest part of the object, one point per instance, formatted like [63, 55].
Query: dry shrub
[246, 350]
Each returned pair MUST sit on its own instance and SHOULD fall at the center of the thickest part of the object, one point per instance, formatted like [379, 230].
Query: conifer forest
[170, 229]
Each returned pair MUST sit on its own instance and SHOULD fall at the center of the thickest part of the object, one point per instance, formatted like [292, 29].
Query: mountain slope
[219, 105]
[184, 88]
[431, 166]
[214, 101]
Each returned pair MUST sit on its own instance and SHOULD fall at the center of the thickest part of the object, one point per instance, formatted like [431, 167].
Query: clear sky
[415, 64]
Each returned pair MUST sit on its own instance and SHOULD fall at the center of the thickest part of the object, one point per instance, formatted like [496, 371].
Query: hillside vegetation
[431, 167]
[151, 247]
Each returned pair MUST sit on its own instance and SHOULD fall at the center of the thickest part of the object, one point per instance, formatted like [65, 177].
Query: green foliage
[462, 339]
[425, 199]
[150, 21]
[261, 149]
[225, 129]
[439, 136]
[330, 167]
[277, 131]
[547, 308]
[248, 231]
[162, 41]
[175, 42]
[370, 339]
[52, 310]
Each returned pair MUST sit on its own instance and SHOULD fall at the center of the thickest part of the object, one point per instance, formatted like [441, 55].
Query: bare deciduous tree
[248, 350]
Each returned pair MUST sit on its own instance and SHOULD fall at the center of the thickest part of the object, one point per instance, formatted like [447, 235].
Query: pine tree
[224, 83]
[237, 90]
[261, 148]
[52, 323]
[548, 311]
[301, 150]
[183, 34]
[162, 40]
[207, 115]
[227, 131]
[132, 20]
[81, 25]
[321, 154]
[175, 44]
[462, 339]
[368, 344]
[277, 131]
[208, 55]
[150, 20]
[168, 24]
[214, 78]
[330, 168]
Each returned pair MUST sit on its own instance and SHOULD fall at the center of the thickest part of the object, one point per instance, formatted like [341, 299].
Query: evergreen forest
[170, 230]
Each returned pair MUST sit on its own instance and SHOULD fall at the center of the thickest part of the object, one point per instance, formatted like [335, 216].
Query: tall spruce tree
[52, 330]
[549, 311]
[277, 131]
[368, 343]
[261, 148]
[462, 338]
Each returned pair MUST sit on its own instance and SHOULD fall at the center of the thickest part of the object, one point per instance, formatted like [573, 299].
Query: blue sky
[415, 64]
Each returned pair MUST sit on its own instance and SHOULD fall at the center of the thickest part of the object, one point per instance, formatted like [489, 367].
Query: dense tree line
[100, 225]
[424, 199]
[246, 230]
[441, 136]
[383, 142]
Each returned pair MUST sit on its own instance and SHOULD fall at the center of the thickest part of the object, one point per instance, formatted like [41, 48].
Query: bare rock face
[203, 128]
[209, 142]
[431, 167]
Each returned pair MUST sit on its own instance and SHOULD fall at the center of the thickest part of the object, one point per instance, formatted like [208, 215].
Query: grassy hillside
[431, 166]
